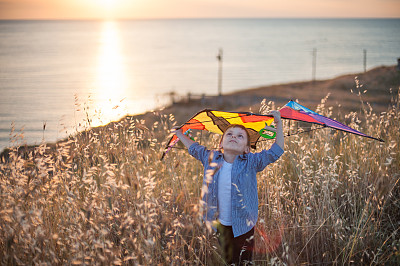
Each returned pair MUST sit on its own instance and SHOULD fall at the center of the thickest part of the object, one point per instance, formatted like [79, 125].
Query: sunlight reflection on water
[111, 85]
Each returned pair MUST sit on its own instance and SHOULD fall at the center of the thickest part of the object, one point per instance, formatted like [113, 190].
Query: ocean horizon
[54, 73]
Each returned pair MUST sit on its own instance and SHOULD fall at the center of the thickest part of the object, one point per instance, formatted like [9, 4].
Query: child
[230, 186]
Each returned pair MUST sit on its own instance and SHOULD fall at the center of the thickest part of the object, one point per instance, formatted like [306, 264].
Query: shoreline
[376, 86]
[344, 92]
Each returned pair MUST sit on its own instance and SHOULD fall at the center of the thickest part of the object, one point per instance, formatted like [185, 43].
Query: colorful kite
[218, 122]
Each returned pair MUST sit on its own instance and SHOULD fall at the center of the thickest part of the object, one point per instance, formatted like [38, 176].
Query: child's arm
[279, 139]
[197, 151]
[261, 159]
[182, 137]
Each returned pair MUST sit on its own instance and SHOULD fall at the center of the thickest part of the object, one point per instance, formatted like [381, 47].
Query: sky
[149, 9]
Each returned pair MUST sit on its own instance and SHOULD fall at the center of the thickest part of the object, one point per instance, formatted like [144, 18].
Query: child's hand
[176, 130]
[276, 115]
[182, 137]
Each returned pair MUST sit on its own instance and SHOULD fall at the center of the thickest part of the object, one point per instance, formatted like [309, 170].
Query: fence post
[172, 95]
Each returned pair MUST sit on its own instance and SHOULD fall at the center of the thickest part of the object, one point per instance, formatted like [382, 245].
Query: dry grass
[103, 197]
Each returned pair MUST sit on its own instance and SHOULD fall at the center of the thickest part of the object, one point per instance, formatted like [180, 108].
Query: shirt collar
[243, 156]
[220, 155]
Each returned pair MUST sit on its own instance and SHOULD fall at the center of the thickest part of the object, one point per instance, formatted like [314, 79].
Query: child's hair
[241, 127]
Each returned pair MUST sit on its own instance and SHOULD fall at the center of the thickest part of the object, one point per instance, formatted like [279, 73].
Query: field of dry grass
[104, 197]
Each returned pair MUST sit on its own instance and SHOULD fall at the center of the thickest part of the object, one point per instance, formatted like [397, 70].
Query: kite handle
[268, 129]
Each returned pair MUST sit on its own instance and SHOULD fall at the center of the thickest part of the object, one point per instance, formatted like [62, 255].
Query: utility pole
[219, 58]
[314, 64]
[365, 60]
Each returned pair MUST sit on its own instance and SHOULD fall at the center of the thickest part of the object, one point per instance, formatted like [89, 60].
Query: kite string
[298, 132]
[304, 131]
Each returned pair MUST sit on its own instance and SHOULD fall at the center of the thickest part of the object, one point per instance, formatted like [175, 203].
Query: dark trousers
[235, 250]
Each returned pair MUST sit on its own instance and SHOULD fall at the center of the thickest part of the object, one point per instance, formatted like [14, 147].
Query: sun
[108, 3]
[108, 8]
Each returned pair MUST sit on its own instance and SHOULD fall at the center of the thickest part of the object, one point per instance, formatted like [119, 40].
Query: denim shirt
[244, 184]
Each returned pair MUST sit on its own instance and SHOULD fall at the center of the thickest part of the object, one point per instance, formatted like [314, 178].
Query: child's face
[235, 141]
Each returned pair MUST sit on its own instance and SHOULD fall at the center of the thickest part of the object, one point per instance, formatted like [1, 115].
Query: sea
[60, 76]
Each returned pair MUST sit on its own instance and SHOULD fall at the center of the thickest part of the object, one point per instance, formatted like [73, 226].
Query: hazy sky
[114, 9]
